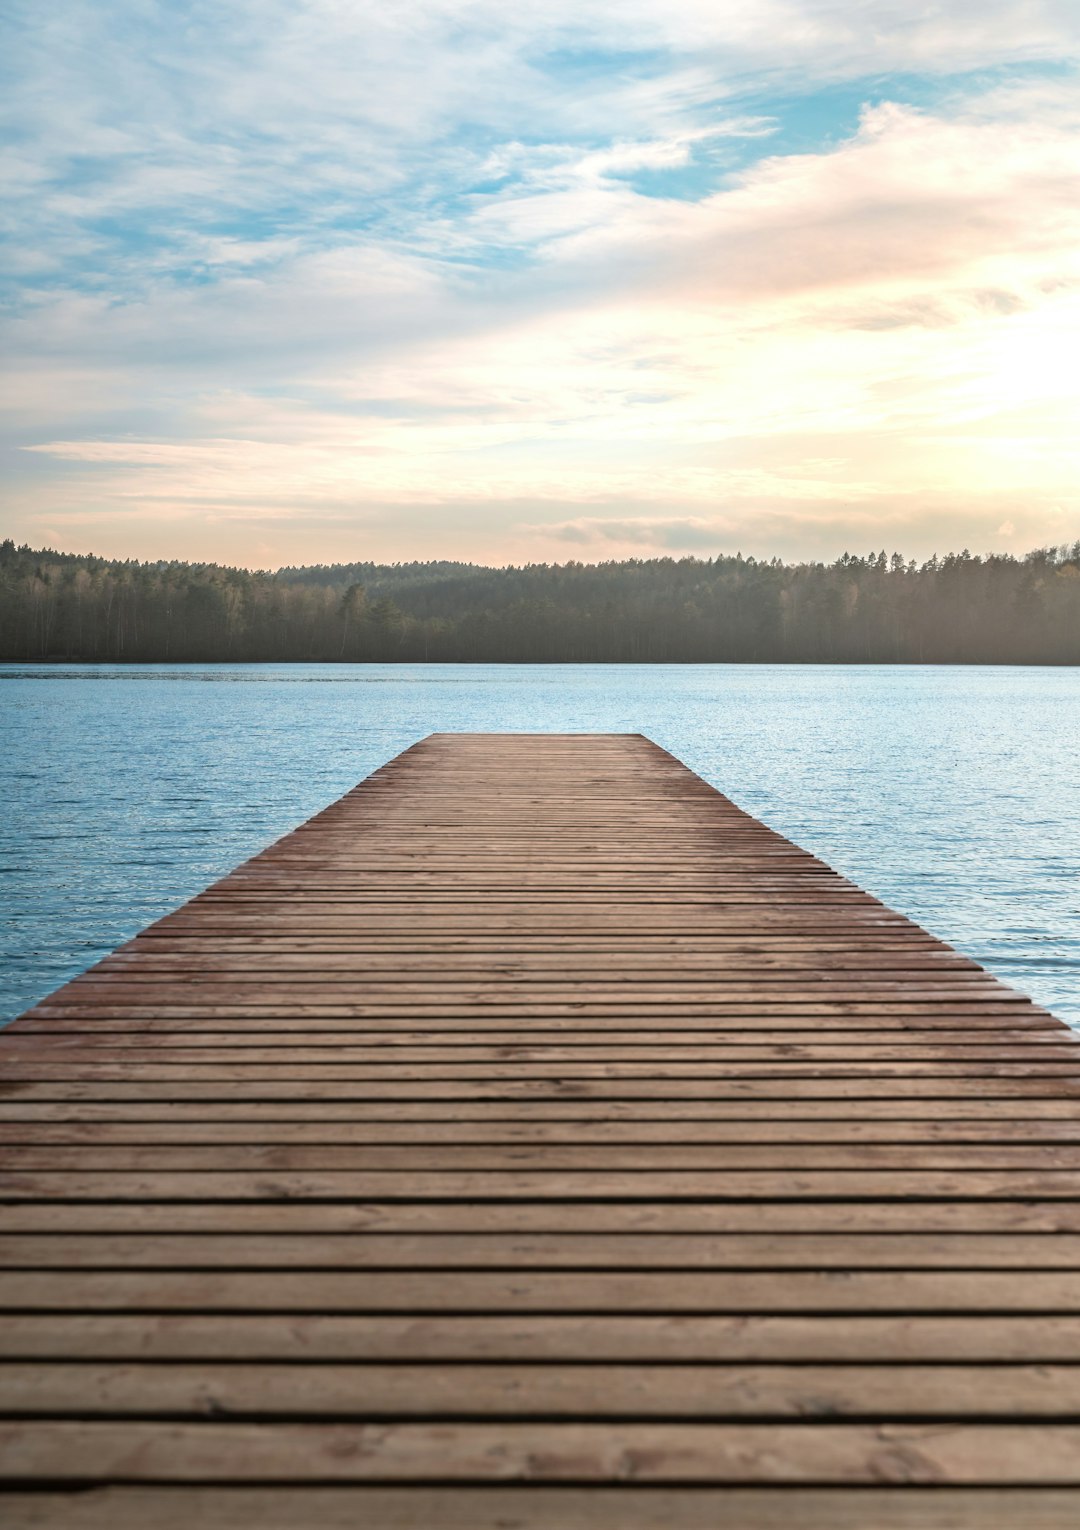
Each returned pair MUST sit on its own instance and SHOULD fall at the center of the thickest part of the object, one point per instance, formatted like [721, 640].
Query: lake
[953, 793]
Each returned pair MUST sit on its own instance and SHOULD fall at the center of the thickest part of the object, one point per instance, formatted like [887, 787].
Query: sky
[294, 281]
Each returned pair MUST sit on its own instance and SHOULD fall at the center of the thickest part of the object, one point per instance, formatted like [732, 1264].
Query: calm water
[952, 793]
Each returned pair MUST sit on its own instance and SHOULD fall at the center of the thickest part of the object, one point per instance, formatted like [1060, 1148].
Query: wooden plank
[318, 1047]
[564, 1338]
[532, 1115]
[970, 1026]
[486, 1291]
[406, 1076]
[513, 1391]
[119, 1126]
[642, 1507]
[492, 1158]
[772, 1094]
[643, 1219]
[912, 1248]
[762, 1111]
[960, 1090]
[959, 1454]
[789, 1184]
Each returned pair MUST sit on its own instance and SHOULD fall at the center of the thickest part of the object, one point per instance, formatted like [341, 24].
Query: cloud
[411, 268]
[305, 121]
[675, 534]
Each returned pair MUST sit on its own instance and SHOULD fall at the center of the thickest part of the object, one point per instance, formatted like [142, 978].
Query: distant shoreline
[881, 609]
[55, 662]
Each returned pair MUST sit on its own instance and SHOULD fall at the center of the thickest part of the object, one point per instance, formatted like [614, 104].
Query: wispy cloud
[673, 534]
[399, 273]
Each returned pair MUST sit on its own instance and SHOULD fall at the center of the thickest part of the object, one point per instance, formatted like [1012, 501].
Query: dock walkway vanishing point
[533, 1139]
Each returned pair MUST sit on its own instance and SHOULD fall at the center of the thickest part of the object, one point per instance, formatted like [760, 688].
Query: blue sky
[336, 280]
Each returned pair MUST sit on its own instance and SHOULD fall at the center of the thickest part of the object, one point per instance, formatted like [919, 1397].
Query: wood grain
[534, 1139]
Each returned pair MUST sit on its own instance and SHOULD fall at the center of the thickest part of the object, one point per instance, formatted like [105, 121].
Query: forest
[873, 609]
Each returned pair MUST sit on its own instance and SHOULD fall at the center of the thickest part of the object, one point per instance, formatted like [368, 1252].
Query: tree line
[877, 609]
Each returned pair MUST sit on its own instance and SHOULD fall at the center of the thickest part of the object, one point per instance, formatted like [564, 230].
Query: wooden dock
[533, 1139]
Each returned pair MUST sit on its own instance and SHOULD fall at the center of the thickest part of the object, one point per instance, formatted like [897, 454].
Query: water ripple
[952, 793]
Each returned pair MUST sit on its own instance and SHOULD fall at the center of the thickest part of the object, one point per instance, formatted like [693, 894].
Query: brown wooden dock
[533, 1139]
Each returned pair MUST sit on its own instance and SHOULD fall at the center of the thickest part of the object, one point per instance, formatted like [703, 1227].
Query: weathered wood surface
[533, 1139]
